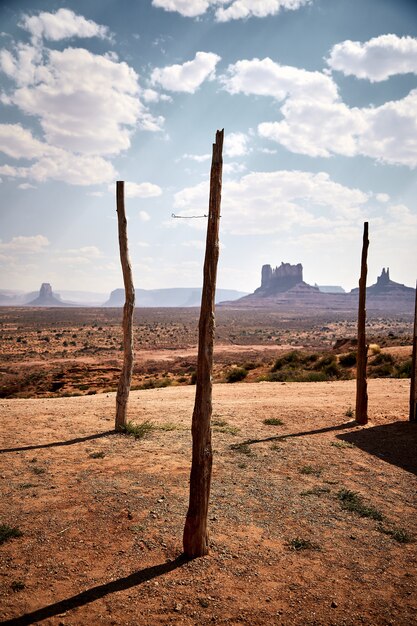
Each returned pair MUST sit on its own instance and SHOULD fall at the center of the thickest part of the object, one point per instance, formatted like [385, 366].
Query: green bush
[383, 358]
[348, 360]
[236, 374]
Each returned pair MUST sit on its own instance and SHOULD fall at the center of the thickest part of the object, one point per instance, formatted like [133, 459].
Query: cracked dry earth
[102, 514]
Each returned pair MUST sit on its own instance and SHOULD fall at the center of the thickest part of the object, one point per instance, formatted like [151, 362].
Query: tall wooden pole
[125, 379]
[195, 539]
[413, 388]
[362, 355]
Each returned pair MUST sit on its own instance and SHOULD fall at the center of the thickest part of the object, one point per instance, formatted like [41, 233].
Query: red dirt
[102, 514]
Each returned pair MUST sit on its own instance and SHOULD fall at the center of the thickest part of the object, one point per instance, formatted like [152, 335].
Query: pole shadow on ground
[95, 593]
[56, 444]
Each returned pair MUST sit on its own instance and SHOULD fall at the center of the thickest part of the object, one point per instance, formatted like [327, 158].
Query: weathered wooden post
[125, 379]
[413, 387]
[195, 539]
[362, 354]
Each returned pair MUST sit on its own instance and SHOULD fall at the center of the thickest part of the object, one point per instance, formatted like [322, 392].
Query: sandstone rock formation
[384, 286]
[46, 297]
[280, 279]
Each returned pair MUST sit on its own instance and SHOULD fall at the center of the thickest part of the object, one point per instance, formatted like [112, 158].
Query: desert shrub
[236, 374]
[385, 370]
[273, 421]
[291, 359]
[139, 430]
[403, 370]
[9, 532]
[348, 360]
[250, 365]
[193, 378]
[325, 361]
[374, 348]
[383, 358]
[298, 543]
[351, 501]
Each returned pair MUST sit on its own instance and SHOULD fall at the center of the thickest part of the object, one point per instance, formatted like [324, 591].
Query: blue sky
[318, 99]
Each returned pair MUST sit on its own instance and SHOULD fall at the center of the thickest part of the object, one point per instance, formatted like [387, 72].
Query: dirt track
[102, 514]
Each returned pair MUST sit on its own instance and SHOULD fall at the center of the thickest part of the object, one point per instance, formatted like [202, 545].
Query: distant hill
[171, 297]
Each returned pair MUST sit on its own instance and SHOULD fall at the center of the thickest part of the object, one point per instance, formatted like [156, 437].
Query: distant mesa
[46, 297]
[170, 297]
[384, 286]
[330, 288]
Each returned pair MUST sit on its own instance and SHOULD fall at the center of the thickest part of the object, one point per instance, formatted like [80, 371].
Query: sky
[318, 101]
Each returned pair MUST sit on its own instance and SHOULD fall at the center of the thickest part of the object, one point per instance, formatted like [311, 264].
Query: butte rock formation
[46, 297]
[384, 286]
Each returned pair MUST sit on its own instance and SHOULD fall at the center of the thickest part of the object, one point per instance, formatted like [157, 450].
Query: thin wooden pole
[362, 355]
[413, 387]
[195, 538]
[125, 379]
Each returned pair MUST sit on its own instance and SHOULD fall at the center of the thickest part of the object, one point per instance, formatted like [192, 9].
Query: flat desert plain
[312, 518]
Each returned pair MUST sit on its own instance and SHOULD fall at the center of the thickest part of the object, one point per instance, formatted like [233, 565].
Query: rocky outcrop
[46, 297]
[280, 279]
[384, 286]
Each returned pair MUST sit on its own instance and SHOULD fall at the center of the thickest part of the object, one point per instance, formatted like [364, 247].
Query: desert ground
[312, 518]
[65, 352]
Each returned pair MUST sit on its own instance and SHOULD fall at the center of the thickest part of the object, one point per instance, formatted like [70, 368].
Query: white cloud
[25, 245]
[187, 8]
[150, 95]
[315, 121]
[316, 128]
[89, 252]
[267, 202]
[239, 9]
[200, 158]
[387, 133]
[25, 186]
[141, 190]
[85, 102]
[65, 166]
[144, 216]
[236, 144]
[189, 76]
[17, 142]
[264, 77]
[376, 59]
[229, 9]
[382, 197]
[88, 105]
[61, 25]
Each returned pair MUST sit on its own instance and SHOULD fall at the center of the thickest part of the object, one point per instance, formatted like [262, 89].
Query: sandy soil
[102, 514]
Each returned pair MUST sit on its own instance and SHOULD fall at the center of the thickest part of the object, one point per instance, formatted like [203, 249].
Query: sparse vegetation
[349, 412]
[310, 470]
[273, 421]
[352, 501]
[9, 532]
[97, 455]
[398, 534]
[236, 374]
[298, 544]
[347, 360]
[342, 444]
[139, 430]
